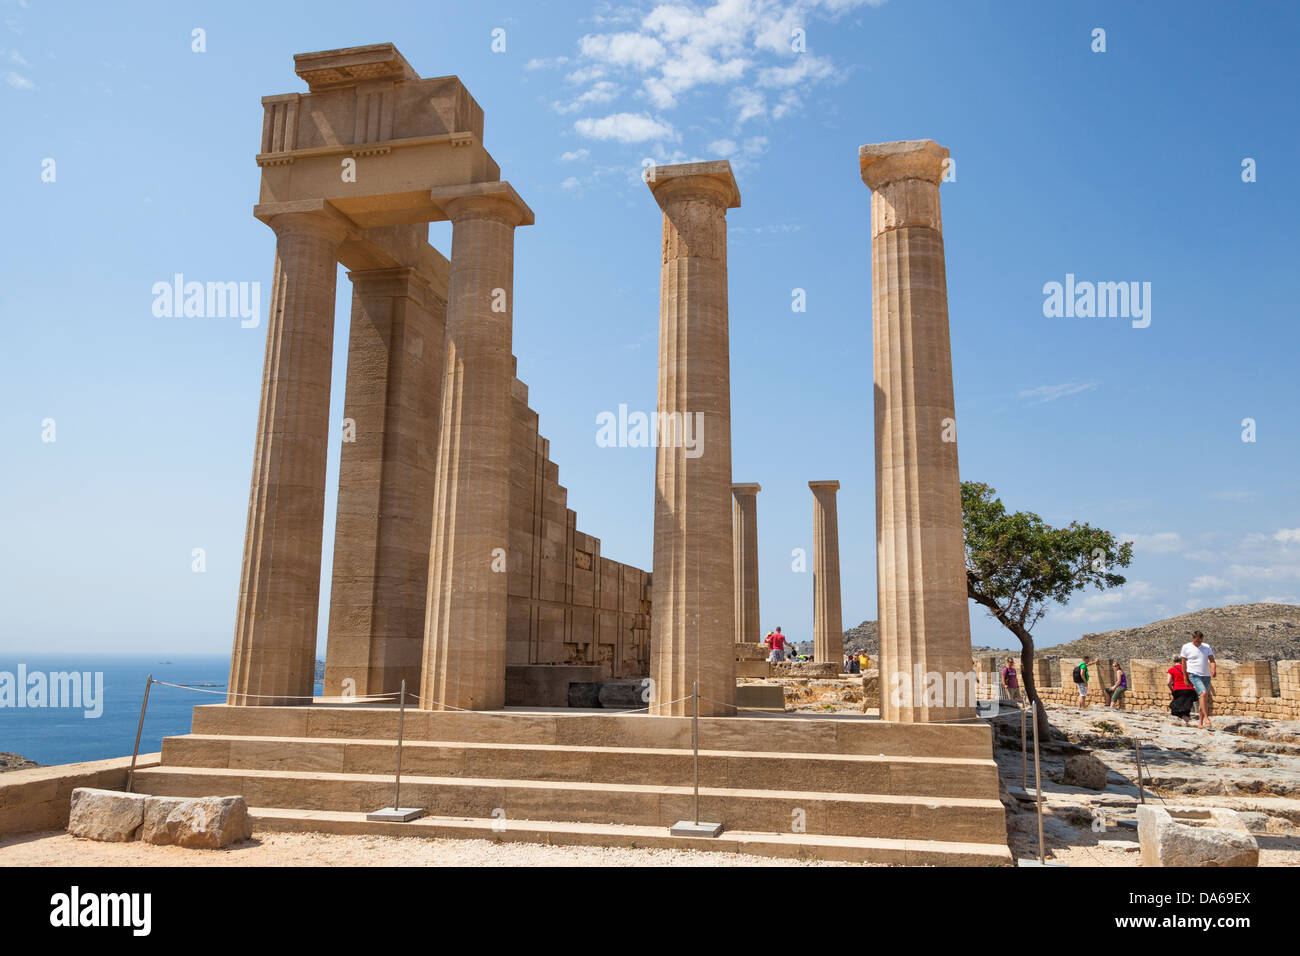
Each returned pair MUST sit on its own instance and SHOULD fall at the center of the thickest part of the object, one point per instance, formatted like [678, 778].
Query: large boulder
[108, 815]
[196, 821]
[1194, 836]
[1084, 770]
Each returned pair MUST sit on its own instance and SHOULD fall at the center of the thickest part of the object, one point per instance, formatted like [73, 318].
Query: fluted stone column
[744, 532]
[386, 483]
[273, 661]
[828, 625]
[921, 568]
[693, 625]
[465, 623]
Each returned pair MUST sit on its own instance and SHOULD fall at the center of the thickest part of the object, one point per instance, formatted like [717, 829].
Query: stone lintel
[453, 200]
[746, 488]
[330, 69]
[712, 180]
[883, 163]
[824, 485]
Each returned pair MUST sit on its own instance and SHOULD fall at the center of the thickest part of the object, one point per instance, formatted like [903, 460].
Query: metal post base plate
[396, 814]
[687, 828]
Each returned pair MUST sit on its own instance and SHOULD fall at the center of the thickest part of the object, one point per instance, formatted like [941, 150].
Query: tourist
[1183, 694]
[863, 662]
[777, 642]
[1080, 677]
[1198, 659]
[1118, 689]
[1010, 681]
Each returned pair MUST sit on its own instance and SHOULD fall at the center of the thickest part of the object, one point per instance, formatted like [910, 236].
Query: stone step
[962, 819]
[824, 735]
[877, 850]
[750, 770]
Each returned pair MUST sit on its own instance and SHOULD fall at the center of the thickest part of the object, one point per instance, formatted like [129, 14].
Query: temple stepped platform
[865, 790]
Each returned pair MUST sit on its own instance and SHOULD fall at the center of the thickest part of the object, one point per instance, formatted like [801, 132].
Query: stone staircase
[830, 788]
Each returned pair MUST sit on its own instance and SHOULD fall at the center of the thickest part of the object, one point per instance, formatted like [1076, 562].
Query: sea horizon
[60, 731]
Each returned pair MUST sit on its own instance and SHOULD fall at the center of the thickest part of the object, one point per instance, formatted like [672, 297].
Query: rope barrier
[228, 693]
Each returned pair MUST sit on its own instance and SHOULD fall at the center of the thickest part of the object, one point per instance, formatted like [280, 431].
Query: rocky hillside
[15, 762]
[864, 637]
[1241, 632]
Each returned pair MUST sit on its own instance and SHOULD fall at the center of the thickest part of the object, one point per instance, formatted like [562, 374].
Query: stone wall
[40, 798]
[1242, 688]
[567, 603]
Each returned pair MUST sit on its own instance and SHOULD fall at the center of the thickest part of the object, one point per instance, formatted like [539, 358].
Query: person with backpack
[1080, 678]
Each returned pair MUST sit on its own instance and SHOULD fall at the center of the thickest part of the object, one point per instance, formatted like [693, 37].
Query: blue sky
[1123, 165]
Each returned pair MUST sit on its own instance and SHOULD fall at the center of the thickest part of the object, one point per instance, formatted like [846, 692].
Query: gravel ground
[55, 848]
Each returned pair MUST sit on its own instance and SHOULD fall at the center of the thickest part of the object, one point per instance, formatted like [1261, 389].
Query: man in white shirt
[1198, 661]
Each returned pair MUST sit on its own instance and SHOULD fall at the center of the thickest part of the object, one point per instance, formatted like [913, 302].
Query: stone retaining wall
[1269, 689]
[40, 798]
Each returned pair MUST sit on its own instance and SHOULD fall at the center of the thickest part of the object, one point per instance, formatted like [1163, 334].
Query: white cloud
[1207, 581]
[546, 62]
[623, 49]
[748, 104]
[19, 82]
[1288, 536]
[723, 147]
[573, 182]
[625, 128]
[1050, 393]
[1193, 604]
[574, 155]
[739, 45]
[602, 92]
[1162, 542]
[1108, 604]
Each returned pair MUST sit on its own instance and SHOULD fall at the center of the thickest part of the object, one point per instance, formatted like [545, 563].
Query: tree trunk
[1026, 657]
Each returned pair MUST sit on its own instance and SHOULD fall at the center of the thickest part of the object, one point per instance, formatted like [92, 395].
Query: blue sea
[52, 735]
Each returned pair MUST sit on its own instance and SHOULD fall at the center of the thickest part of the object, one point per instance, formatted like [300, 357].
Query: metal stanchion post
[695, 745]
[682, 827]
[397, 813]
[1024, 752]
[1038, 790]
[1137, 750]
[135, 751]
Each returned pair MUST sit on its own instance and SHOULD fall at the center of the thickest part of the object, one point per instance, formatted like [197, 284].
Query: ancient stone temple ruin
[451, 517]
[459, 569]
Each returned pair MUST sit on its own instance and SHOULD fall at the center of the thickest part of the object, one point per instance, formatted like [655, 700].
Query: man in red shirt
[776, 641]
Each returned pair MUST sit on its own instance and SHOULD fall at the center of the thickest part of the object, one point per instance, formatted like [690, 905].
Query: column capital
[496, 200]
[312, 216]
[397, 281]
[824, 485]
[885, 163]
[712, 182]
[746, 488]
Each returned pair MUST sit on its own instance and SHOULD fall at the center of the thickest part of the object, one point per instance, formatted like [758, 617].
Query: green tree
[1016, 564]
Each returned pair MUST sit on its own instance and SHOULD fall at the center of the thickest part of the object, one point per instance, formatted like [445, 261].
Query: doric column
[386, 483]
[828, 625]
[921, 566]
[465, 622]
[692, 624]
[279, 593]
[744, 532]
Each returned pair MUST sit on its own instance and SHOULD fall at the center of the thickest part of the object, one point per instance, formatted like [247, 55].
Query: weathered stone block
[1200, 836]
[107, 815]
[210, 822]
